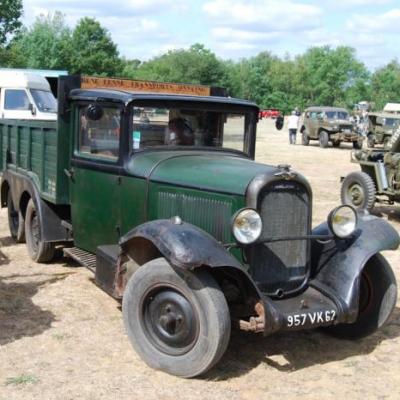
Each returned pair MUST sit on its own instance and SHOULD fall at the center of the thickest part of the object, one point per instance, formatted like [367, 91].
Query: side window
[314, 115]
[100, 138]
[16, 100]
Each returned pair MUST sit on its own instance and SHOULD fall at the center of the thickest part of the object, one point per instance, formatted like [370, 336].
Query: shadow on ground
[7, 241]
[293, 351]
[4, 260]
[19, 315]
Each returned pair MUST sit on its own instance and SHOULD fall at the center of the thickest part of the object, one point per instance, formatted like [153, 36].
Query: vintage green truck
[154, 187]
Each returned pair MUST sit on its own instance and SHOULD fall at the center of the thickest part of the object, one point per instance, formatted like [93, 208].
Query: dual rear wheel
[28, 229]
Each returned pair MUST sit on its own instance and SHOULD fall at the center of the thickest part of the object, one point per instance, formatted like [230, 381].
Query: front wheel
[377, 299]
[358, 190]
[178, 321]
[323, 139]
[39, 250]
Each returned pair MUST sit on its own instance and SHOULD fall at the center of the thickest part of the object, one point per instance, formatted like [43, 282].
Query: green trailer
[154, 187]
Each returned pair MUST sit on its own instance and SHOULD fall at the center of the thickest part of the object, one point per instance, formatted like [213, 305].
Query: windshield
[44, 100]
[193, 127]
[391, 122]
[337, 115]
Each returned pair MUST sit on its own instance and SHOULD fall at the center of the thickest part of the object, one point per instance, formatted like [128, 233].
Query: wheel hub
[170, 321]
[356, 194]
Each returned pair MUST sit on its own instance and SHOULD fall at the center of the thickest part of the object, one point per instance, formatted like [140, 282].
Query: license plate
[311, 318]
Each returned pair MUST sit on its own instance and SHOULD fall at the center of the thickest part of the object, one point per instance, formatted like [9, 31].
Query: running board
[83, 257]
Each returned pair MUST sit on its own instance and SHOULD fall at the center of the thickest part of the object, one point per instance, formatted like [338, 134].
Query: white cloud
[264, 15]
[387, 22]
[227, 34]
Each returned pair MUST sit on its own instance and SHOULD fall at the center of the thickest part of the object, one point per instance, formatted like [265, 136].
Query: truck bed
[31, 148]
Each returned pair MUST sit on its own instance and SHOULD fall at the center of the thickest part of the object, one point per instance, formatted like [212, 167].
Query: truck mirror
[94, 112]
[32, 108]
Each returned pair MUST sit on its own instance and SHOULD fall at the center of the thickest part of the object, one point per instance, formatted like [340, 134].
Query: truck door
[15, 104]
[94, 177]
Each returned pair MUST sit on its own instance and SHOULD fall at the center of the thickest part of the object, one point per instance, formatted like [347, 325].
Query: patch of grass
[61, 336]
[22, 380]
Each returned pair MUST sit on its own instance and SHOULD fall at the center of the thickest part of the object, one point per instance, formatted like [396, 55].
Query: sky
[234, 29]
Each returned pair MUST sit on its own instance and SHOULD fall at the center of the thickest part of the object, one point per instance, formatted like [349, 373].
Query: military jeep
[154, 187]
[329, 124]
[381, 127]
[379, 178]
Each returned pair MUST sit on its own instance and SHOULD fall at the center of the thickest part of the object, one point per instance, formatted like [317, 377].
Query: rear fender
[337, 264]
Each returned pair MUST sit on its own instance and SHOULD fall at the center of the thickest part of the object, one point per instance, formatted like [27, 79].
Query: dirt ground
[63, 338]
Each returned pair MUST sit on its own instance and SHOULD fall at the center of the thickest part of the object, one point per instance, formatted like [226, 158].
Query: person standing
[293, 123]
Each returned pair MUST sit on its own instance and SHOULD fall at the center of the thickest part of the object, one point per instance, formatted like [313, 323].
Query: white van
[24, 95]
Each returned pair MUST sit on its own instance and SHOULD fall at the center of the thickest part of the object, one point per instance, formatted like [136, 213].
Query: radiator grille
[211, 215]
[285, 210]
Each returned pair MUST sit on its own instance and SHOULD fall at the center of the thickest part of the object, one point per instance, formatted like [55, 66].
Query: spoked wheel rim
[169, 320]
[356, 195]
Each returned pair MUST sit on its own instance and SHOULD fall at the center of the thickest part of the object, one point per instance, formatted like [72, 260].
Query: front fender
[337, 264]
[183, 244]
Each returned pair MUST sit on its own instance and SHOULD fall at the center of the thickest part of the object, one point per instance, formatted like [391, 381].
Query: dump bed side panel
[31, 148]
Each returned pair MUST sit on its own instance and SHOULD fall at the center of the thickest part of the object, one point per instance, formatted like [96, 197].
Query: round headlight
[247, 226]
[343, 221]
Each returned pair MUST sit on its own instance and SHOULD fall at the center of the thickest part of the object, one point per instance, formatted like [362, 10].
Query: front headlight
[246, 226]
[343, 221]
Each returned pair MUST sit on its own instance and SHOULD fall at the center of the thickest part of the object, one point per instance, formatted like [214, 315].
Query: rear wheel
[358, 190]
[377, 299]
[39, 251]
[15, 221]
[323, 139]
[178, 321]
[305, 140]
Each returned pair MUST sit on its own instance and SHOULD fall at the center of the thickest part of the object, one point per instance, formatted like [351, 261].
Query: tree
[196, 65]
[385, 85]
[10, 14]
[46, 44]
[92, 50]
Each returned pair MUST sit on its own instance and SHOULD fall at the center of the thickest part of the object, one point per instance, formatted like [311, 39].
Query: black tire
[201, 339]
[336, 143]
[323, 139]
[378, 296]
[15, 221]
[305, 140]
[358, 190]
[358, 144]
[371, 141]
[39, 251]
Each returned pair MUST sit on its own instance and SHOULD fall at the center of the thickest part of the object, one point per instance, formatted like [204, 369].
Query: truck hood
[204, 170]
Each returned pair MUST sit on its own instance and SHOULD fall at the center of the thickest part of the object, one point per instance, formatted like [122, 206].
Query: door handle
[69, 173]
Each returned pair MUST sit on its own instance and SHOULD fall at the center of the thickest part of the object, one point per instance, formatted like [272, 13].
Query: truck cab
[26, 96]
